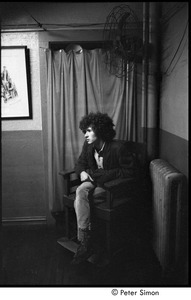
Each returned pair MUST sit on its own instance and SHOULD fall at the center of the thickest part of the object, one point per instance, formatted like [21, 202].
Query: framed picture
[15, 83]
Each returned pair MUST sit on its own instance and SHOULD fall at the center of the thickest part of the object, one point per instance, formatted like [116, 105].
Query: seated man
[102, 159]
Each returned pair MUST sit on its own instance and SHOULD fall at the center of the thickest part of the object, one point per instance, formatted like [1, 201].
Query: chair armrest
[116, 183]
[66, 173]
[69, 182]
[119, 186]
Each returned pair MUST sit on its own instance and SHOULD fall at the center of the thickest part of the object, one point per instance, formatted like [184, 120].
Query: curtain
[76, 85]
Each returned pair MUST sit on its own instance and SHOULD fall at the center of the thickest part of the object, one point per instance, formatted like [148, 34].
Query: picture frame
[16, 102]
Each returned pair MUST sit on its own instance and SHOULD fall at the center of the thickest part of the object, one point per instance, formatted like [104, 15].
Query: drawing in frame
[15, 83]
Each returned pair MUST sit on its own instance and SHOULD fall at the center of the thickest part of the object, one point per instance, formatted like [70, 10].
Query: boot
[84, 250]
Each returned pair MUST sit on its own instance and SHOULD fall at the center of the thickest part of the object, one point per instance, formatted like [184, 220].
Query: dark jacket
[117, 162]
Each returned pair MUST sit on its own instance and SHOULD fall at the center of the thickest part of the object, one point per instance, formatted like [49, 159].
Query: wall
[23, 182]
[174, 108]
[174, 87]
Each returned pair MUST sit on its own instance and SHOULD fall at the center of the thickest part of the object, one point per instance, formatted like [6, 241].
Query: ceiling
[59, 15]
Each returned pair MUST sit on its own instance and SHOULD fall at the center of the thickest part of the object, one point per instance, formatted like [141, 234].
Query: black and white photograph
[94, 149]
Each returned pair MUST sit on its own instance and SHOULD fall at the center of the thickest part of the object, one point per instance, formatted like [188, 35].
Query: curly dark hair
[101, 124]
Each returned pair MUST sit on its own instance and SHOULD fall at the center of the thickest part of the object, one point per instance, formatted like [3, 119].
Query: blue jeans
[82, 205]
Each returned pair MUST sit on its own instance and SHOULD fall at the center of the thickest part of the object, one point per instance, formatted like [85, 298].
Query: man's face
[90, 135]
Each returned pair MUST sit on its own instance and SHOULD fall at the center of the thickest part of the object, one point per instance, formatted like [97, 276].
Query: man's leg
[82, 206]
[82, 209]
[98, 197]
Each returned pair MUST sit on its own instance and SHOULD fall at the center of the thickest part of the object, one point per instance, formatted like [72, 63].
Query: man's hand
[85, 176]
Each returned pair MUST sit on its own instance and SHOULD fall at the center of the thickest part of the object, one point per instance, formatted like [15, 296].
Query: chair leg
[108, 240]
[67, 222]
[112, 246]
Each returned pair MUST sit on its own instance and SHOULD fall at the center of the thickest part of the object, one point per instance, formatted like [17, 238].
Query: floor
[32, 257]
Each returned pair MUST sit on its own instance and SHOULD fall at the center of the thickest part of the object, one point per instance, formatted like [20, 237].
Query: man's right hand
[85, 176]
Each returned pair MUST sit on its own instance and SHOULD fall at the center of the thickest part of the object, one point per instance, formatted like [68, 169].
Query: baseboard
[40, 220]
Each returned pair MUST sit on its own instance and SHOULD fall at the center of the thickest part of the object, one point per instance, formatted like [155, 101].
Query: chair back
[139, 152]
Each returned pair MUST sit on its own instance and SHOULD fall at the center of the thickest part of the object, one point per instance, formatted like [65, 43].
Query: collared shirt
[99, 157]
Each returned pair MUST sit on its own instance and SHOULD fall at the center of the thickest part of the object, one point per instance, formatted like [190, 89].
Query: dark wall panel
[22, 175]
[174, 149]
